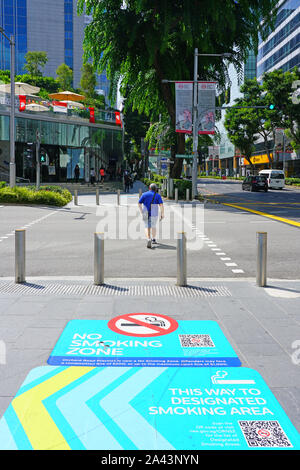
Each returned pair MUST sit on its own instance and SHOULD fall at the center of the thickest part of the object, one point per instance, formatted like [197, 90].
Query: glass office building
[281, 49]
[50, 26]
[13, 20]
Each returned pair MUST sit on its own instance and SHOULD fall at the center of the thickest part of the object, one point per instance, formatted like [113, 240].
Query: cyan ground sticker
[145, 409]
[143, 339]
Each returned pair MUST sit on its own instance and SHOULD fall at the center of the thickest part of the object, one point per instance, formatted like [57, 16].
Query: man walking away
[149, 204]
[127, 182]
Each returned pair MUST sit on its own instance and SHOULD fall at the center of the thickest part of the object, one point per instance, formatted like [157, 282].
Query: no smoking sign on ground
[143, 339]
[143, 325]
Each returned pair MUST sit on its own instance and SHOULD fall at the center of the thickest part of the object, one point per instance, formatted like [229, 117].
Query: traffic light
[42, 158]
[272, 106]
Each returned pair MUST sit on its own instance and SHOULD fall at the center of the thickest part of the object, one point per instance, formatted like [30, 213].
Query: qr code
[196, 341]
[264, 434]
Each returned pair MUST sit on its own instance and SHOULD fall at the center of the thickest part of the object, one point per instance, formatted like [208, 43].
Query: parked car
[275, 178]
[255, 183]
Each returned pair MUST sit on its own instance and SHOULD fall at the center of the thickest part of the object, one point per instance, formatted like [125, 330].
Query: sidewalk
[262, 325]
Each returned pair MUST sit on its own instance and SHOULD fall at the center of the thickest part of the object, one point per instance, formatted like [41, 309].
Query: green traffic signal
[272, 106]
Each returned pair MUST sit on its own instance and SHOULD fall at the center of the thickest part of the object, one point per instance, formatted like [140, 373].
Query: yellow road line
[264, 214]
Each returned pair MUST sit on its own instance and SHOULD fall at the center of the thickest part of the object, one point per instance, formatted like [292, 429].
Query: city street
[60, 241]
[261, 324]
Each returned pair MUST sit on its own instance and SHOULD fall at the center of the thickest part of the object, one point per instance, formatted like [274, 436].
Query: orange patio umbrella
[67, 96]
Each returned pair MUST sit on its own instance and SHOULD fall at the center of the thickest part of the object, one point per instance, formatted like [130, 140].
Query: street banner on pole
[184, 100]
[206, 107]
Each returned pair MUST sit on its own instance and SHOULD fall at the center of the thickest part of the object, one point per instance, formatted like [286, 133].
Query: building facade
[50, 26]
[63, 141]
[281, 49]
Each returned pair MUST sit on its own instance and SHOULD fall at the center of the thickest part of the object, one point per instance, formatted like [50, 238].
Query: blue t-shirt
[151, 207]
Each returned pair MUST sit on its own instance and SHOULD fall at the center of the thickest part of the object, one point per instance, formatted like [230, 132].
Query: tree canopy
[246, 124]
[35, 60]
[64, 76]
[144, 41]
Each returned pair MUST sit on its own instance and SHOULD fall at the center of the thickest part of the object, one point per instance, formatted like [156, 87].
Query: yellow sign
[259, 159]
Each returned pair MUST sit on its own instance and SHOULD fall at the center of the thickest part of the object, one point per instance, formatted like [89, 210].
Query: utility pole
[12, 162]
[195, 126]
[38, 164]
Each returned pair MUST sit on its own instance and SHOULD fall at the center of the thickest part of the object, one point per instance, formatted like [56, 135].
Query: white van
[274, 177]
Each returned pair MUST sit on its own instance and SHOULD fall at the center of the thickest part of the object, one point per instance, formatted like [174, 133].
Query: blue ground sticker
[146, 409]
[143, 339]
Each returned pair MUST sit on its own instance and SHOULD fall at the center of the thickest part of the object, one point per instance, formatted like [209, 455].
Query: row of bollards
[75, 199]
[20, 258]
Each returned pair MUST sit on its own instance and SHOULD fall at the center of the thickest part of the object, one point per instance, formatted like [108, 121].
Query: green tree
[281, 91]
[142, 42]
[88, 80]
[34, 61]
[242, 130]
[64, 76]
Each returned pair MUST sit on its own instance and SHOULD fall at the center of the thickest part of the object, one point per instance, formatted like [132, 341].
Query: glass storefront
[62, 146]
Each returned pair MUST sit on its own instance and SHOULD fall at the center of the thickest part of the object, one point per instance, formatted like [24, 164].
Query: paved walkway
[262, 325]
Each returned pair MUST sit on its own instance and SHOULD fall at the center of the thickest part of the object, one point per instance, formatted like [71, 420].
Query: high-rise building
[281, 49]
[50, 26]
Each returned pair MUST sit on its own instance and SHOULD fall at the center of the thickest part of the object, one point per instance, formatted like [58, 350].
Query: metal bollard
[261, 273]
[98, 259]
[176, 195]
[75, 197]
[118, 197]
[140, 192]
[171, 189]
[181, 260]
[20, 256]
[97, 197]
[187, 197]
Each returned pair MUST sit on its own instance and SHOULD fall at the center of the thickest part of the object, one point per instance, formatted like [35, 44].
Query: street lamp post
[12, 164]
[195, 116]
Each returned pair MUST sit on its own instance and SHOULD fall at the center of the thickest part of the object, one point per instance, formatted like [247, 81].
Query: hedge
[292, 181]
[181, 184]
[55, 196]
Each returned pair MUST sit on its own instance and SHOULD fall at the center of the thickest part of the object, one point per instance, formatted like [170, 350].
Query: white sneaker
[149, 245]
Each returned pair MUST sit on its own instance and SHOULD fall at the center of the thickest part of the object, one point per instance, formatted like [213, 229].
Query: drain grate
[112, 290]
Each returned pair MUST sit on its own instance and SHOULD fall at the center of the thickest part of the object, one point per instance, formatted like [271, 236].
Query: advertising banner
[59, 107]
[22, 103]
[83, 408]
[143, 339]
[184, 107]
[92, 114]
[206, 107]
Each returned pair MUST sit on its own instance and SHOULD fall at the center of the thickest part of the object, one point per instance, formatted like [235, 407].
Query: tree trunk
[177, 167]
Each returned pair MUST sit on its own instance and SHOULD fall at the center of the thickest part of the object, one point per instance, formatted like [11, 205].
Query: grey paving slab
[33, 324]
[38, 338]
